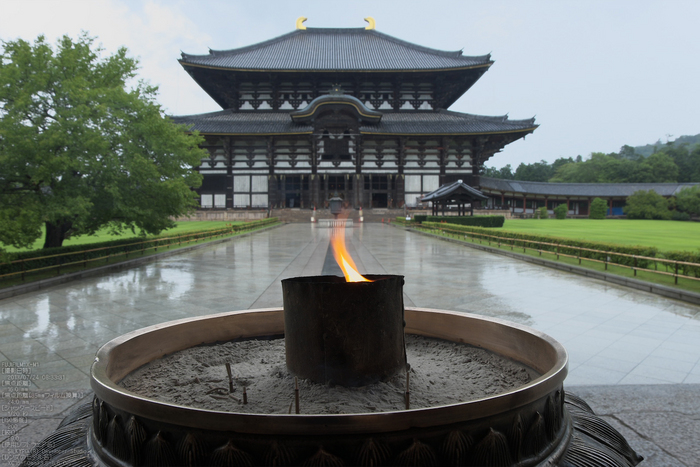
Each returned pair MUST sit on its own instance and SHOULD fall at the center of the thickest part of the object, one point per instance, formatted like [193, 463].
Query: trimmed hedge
[567, 246]
[476, 221]
[420, 218]
[74, 253]
[688, 257]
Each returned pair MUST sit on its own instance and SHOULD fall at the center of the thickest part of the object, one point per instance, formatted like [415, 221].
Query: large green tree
[688, 200]
[647, 205]
[83, 145]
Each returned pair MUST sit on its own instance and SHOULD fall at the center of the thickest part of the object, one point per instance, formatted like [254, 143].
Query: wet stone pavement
[634, 356]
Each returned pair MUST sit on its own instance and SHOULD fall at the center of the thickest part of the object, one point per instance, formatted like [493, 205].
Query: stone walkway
[614, 335]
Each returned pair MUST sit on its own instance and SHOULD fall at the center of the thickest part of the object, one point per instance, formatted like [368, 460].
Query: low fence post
[22, 266]
[676, 275]
[84, 260]
[635, 267]
[580, 252]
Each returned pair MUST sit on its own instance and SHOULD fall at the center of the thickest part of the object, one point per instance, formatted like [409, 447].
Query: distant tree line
[667, 164]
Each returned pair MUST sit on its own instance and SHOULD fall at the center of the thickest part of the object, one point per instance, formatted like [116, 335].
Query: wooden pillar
[567, 206]
[524, 204]
[611, 207]
[502, 200]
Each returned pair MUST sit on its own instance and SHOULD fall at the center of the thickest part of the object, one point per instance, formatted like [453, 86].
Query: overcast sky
[596, 74]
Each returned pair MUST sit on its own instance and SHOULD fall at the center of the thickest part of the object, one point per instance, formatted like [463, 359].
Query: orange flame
[342, 257]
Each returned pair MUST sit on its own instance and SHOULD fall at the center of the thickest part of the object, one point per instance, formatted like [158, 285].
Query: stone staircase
[369, 215]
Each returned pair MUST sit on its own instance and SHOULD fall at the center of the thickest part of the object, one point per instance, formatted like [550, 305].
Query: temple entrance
[379, 200]
[377, 190]
[292, 200]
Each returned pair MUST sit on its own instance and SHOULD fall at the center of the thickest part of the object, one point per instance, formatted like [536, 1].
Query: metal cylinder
[344, 333]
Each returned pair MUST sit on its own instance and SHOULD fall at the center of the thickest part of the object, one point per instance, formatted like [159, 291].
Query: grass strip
[104, 235]
[91, 263]
[659, 277]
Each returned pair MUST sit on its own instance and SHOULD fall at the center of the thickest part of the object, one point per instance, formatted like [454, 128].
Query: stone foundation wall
[225, 215]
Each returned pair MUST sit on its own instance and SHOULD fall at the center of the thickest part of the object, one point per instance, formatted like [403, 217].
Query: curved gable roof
[456, 191]
[335, 49]
[336, 99]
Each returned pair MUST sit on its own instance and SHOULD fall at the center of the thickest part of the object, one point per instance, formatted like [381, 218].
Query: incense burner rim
[144, 345]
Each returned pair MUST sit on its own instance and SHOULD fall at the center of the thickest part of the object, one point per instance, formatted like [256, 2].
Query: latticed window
[336, 183]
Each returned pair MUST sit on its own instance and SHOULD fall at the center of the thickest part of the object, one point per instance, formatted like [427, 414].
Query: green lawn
[641, 274]
[105, 236]
[664, 235]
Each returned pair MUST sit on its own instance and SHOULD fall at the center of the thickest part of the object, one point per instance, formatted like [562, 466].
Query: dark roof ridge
[245, 48]
[411, 45]
[216, 112]
[492, 118]
[422, 48]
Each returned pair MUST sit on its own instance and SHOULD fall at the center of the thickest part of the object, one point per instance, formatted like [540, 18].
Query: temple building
[353, 112]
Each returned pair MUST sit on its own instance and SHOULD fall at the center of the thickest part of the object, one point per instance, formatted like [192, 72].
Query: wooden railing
[527, 244]
[135, 249]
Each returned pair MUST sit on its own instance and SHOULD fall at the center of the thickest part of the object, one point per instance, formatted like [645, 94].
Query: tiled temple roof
[419, 123]
[603, 190]
[446, 122]
[455, 191]
[329, 49]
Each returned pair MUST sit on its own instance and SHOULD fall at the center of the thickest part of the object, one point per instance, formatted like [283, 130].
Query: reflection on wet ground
[614, 335]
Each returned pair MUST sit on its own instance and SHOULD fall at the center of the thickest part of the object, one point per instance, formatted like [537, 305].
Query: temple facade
[353, 112]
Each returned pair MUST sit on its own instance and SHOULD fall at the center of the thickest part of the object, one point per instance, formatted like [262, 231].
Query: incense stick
[296, 394]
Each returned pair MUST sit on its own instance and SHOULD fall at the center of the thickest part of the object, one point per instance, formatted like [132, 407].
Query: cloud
[154, 32]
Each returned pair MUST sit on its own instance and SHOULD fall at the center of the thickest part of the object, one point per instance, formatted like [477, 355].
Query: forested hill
[676, 161]
[650, 149]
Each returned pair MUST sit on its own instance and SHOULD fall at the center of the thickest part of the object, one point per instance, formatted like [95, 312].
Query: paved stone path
[640, 351]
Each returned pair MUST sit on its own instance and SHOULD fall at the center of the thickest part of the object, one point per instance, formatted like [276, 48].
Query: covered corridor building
[522, 198]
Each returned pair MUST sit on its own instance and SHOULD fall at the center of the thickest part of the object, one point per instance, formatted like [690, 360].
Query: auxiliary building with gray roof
[353, 112]
[522, 197]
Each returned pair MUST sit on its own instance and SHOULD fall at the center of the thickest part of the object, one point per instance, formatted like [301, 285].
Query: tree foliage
[668, 163]
[505, 172]
[647, 205]
[82, 146]
[688, 200]
[599, 209]
[560, 211]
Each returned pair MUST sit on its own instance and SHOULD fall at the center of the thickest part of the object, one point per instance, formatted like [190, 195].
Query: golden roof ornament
[372, 23]
[300, 22]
